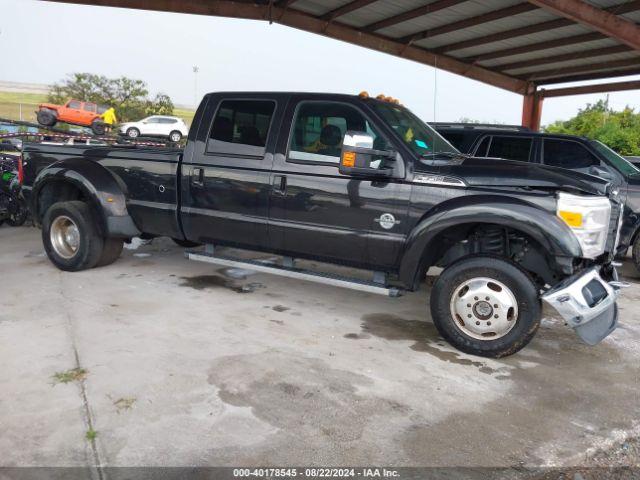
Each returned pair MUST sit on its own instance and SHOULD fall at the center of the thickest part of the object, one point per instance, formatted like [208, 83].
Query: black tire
[175, 136]
[98, 127]
[46, 118]
[110, 251]
[17, 213]
[185, 243]
[635, 252]
[133, 132]
[519, 283]
[90, 243]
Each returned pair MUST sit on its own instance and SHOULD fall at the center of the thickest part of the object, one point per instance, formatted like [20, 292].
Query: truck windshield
[620, 163]
[416, 134]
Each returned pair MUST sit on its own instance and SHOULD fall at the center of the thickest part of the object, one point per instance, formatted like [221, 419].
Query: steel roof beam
[411, 14]
[622, 72]
[348, 8]
[470, 22]
[618, 9]
[563, 71]
[596, 52]
[600, 88]
[614, 26]
[544, 45]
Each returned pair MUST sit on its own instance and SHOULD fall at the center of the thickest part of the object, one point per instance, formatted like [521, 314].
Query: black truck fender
[423, 246]
[98, 187]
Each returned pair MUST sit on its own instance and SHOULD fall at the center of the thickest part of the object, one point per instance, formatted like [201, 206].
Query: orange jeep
[74, 112]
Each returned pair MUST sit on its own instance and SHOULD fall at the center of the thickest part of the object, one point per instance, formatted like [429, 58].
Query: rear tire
[17, 213]
[175, 136]
[636, 253]
[46, 118]
[98, 127]
[496, 327]
[70, 236]
[110, 252]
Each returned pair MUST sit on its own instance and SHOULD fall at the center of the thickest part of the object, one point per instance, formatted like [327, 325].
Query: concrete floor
[189, 366]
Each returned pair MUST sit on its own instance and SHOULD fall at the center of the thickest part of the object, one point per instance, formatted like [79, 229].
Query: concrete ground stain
[423, 334]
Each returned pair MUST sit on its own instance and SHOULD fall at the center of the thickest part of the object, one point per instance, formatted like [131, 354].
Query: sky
[42, 42]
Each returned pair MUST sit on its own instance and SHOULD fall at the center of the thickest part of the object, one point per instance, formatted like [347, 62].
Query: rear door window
[511, 148]
[241, 127]
[567, 154]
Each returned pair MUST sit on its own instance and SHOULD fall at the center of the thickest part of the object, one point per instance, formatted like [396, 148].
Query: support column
[532, 108]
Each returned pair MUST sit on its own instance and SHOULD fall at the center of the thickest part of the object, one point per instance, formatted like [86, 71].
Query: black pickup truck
[579, 154]
[355, 181]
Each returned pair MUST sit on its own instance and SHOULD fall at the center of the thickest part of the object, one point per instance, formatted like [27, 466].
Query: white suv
[156, 126]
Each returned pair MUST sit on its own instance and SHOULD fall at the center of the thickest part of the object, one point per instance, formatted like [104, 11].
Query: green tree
[129, 97]
[618, 130]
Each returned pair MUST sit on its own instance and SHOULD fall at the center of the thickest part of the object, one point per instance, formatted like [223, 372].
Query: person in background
[109, 117]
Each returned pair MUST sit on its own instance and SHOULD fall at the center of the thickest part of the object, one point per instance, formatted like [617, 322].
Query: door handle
[280, 184]
[197, 178]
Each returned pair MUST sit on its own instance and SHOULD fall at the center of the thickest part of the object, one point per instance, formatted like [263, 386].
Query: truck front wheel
[70, 236]
[486, 306]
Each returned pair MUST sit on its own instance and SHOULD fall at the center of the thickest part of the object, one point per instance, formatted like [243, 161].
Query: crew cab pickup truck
[355, 181]
[578, 154]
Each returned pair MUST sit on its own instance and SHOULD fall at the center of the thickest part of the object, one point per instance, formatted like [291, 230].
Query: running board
[293, 272]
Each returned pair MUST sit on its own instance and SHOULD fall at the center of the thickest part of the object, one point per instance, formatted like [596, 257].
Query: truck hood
[497, 172]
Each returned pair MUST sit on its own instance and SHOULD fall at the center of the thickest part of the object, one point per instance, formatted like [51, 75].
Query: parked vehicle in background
[74, 112]
[354, 181]
[13, 208]
[633, 159]
[579, 154]
[172, 128]
[10, 145]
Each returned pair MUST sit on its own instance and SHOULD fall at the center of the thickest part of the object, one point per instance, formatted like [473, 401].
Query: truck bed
[150, 175]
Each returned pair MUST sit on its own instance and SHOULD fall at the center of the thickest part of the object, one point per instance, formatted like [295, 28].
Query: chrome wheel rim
[175, 137]
[65, 237]
[484, 308]
[133, 133]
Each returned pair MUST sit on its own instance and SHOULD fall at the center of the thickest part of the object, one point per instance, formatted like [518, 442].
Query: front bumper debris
[587, 303]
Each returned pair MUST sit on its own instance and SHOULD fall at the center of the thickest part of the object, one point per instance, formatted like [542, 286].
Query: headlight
[588, 218]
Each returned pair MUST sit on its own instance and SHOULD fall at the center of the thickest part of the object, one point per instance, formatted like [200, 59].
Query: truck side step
[293, 272]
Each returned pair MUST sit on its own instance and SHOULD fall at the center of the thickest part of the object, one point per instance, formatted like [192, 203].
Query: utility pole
[195, 85]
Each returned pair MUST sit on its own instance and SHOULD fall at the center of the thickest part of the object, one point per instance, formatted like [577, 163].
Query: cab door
[227, 177]
[317, 212]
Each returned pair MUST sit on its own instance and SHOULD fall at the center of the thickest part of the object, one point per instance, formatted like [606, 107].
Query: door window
[241, 127]
[90, 107]
[511, 148]
[567, 154]
[318, 130]
[74, 104]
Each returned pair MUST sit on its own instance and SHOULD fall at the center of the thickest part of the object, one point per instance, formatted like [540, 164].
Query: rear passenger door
[226, 179]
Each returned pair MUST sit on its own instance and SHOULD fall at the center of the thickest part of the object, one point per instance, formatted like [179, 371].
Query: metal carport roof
[518, 45]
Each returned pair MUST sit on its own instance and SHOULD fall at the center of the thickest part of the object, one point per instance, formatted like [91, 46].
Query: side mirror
[359, 158]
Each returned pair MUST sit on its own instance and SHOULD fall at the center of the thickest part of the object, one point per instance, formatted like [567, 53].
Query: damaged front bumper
[587, 303]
